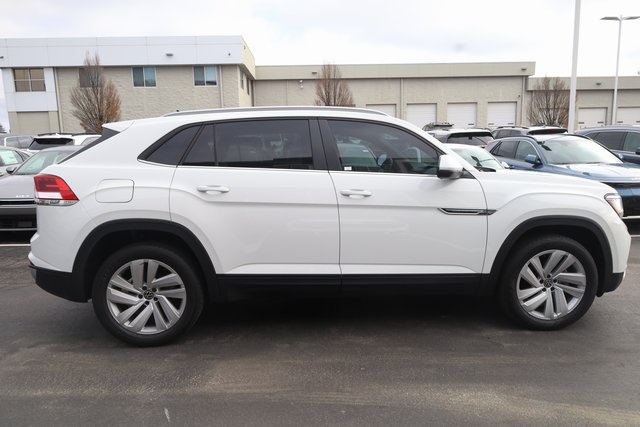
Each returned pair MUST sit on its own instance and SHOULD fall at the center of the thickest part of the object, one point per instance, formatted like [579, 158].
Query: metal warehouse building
[156, 75]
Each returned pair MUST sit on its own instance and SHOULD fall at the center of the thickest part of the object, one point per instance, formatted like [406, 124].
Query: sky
[287, 32]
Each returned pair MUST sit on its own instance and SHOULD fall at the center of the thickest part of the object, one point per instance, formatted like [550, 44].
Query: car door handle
[212, 188]
[356, 194]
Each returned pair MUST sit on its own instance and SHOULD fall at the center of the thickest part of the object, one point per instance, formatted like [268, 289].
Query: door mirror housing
[11, 169]
[533, 159]
[449, 168]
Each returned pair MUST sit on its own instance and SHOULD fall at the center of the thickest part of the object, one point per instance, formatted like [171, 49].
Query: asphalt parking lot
[402, 361]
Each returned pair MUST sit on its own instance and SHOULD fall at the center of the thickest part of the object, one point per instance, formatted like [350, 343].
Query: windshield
[479, 158]
[41, 160]
[571, 149]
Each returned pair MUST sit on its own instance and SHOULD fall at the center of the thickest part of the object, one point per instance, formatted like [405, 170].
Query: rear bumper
[58, 283]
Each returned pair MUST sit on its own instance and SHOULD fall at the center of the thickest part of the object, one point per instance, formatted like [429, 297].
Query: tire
[549, 283]
[138, 311]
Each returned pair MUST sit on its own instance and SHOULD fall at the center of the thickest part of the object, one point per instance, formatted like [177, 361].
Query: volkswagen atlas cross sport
[161, 215]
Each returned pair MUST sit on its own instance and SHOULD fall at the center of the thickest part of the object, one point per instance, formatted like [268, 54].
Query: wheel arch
[586, 232]
[110, 236]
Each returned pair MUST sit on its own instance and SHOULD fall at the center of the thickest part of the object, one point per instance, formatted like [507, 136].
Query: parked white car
[166, 213]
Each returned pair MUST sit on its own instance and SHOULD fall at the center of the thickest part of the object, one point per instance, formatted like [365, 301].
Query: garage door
[421, 114]
[591, 117]
[501, 114]
[462, 115]
[390, 109]
[628, 115]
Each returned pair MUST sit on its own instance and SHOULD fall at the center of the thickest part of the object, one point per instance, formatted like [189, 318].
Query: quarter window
[144, 76]
[172, 150]
[29, 79]
[369, 147]
[205, 76]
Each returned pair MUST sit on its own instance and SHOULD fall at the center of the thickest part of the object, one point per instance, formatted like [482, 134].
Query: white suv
[161, 215]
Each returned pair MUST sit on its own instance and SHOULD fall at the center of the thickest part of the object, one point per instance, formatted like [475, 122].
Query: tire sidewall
[508, 287]
[165, 254]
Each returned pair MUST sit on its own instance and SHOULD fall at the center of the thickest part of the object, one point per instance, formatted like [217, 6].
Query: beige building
[156, 75]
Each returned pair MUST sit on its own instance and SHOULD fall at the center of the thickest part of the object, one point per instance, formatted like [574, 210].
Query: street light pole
[620, 18]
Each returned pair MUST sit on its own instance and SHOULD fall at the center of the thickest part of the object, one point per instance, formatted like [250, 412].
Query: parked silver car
[17, 205]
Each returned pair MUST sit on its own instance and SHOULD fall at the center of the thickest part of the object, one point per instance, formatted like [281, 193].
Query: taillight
[52, 190]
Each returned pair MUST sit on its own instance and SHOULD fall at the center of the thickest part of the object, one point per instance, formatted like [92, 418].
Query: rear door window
[282, 144]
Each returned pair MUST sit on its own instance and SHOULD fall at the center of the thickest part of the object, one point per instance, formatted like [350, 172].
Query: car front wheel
[549, 283]
[147, 294]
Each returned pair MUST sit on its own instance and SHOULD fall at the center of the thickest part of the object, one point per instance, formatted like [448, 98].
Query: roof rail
[285, 108]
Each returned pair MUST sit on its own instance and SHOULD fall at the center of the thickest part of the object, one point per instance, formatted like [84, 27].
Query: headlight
[615, 201]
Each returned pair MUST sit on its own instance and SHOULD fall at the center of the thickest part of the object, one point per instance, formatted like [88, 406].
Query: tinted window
[631, 142]
[172, 150]
[264, 144]
[368, 147]
[524, 149]
[202, 153]
[41, 143]
[611, 140]
[505, 149]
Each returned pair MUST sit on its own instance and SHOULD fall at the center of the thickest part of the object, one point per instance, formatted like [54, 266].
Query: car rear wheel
[549, 283]
[147, 294]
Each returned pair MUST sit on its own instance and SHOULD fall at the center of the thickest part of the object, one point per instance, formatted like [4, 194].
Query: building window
[205, 76]
[248, 87]
[144, 76]
[241, 80]
[29, 79]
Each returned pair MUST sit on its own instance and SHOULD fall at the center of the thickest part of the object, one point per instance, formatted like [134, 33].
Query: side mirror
[11, 169]
[533, 159]
[449, 168]
[638, 150]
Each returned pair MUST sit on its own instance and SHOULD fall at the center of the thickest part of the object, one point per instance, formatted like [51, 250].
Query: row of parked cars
[21, 158]
[609, 154]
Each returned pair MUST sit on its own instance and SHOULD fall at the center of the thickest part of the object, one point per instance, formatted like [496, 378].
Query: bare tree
[549, 103]
[331, 89]
[95, 99]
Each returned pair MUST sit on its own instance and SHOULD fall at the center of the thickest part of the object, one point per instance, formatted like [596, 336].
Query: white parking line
[14, 245]
[635, 236]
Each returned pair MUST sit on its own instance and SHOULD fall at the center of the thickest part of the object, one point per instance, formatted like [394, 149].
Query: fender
[84, 265]
[607, 281]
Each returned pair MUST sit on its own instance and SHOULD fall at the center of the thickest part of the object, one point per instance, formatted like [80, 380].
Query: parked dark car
[507, 131]
[623, 140]
[573, 155]
[17, 204]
